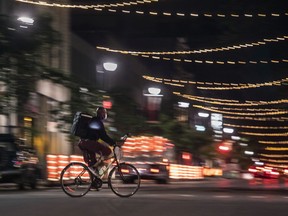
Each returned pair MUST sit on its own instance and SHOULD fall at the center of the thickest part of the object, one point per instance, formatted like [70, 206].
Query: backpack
[80, 124]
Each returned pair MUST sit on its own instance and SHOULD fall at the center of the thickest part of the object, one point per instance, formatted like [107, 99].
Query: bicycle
[77, 178]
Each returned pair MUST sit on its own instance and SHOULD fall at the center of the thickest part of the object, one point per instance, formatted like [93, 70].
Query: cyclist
[96, 131]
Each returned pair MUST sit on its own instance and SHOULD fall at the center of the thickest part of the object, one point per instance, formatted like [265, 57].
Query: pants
[90, 148]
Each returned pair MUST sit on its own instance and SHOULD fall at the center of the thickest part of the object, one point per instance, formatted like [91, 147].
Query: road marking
[258, 197]
[187, 195]
[222, 196]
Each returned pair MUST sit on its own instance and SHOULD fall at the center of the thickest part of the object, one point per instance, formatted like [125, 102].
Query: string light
[256, 127]
[273, 160]
[214, 85]
[147, 54]
[274, 156]
[272, 142]
[156, 13]
[264, 134]
[276, 148]
[240, 113]
[277, 119]
[282, 166]
[247, 109]
[216, 62]
[226, 102]
[98, 7]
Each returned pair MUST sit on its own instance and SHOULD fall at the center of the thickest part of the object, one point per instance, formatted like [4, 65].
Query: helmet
[101, 113]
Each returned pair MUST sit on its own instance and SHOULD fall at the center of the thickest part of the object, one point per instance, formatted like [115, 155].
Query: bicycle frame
[110, 164]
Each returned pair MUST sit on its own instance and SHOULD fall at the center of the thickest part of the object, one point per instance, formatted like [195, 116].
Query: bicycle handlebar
[122, 140]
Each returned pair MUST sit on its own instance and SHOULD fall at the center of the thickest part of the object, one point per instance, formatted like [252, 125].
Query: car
[156, 172]
[264, 172]
[19, 163]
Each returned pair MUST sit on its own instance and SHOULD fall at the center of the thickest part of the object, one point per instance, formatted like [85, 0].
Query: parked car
[19, 163]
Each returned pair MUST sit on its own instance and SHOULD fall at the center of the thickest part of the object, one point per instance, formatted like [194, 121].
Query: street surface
[217, 197]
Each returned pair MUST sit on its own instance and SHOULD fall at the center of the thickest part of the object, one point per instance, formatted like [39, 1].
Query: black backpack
[80, 124]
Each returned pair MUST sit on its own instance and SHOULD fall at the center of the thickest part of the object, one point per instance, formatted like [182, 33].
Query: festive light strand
[248, 109]
[214, 85]
[274, 155]
[91, 6]
[272, 142]
[263, 134]
[273, 160]
[276, 148]
[226, 102]
[217, 62]
[281, 166]
[241, 113]
[147, 54]
[157, 13]
[277, 119]
[257, 127]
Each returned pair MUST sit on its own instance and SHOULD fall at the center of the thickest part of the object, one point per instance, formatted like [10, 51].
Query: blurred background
[200, 85]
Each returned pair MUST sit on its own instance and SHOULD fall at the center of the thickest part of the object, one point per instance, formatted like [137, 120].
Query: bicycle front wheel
[124, 180]
[76, 179]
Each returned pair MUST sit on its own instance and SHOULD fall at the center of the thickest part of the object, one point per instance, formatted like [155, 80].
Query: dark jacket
[97, 131]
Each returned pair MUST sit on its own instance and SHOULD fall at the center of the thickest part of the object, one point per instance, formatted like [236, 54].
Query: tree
[127, 117]
[23, 49]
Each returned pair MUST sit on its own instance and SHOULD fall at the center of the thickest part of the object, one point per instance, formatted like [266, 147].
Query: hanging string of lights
[147, 54]
[282, 166]
[214, 85]
[247, 109]
[274, 155]
[241, 113]
[226, 102]
[276, 148]
[272, 142]
[264, 134]
[156, 13]
[257, 127]
[274, 161]
[216, 62]
[276, 119]
[90, 6]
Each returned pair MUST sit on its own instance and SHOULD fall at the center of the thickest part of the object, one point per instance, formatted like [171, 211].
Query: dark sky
[161, 33]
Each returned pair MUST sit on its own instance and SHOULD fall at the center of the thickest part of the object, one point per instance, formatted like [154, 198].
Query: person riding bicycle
[96, 131]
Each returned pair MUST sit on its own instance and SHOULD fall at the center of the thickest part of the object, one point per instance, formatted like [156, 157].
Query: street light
[153, 91]
[110, 66]
[153, 103]
[101, 77]
[26, 20]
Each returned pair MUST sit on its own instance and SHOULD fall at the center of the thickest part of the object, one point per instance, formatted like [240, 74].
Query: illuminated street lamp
[154, 99]
[26, 20]
[101, 78]
[110, 66]
[153, 91]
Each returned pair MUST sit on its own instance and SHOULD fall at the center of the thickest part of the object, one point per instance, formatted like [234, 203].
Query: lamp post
[153, 103]
[103, 71]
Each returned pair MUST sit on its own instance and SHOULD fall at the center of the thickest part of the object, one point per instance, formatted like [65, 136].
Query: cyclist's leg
[88, 153]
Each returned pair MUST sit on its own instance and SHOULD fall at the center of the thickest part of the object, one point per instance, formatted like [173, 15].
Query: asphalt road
[219, 197]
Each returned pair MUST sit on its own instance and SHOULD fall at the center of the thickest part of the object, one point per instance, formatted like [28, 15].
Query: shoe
[96, 184]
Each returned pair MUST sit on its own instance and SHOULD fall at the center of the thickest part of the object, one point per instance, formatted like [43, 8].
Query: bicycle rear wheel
[76, 179]
[124, 180]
